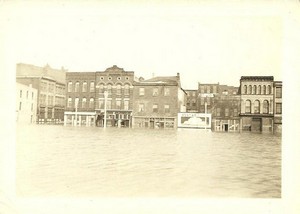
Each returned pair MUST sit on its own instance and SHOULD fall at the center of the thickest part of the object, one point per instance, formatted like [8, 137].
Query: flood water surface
[90, 161]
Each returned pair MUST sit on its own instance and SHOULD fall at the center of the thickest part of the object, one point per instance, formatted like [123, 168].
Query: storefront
[121, 118]
[154, 122]
[80, 118]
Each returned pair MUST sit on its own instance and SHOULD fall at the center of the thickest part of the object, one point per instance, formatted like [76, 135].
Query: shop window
[266, 107]
[248, 107]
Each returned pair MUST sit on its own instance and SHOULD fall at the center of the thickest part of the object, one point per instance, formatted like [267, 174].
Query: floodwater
[121, 162]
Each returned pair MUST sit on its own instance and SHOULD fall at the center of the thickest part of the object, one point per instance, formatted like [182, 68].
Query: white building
[26, 104]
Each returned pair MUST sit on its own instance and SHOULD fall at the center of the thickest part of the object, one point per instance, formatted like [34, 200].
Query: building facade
[50, 85]
[86, 97]
[277, 106]
[157, 101]
[26, 104]
[257, 100]
[191, 103]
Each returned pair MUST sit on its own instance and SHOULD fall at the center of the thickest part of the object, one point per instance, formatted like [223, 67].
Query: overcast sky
[204, 42]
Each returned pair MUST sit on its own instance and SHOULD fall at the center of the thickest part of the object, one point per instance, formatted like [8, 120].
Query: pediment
[114, 69]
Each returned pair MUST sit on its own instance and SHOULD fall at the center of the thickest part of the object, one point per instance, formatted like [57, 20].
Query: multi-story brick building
[26, 104]
[86, 100]
[277, 106]
[222, 102]
[50, 85]
[191, 103]
[157, 102]
[257, 100]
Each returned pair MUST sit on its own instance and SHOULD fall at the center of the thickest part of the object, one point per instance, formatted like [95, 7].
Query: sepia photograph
[149, 106]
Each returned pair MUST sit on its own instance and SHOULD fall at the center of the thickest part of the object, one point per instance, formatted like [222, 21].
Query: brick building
[157, 102]
[86, 92]
[257, 100]
[191, 103]
[50, 85]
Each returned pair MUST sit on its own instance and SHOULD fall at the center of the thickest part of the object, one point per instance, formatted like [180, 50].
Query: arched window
[109, 88]
[269, 90]
[259, 89]
[249, 89]
[264, 90]
[119, 89]
[84, 87]
[77, 87]
[91, 103]
[69, 86]
[101, 88]
[254, 89]
[266, 107]
[126, 89]
[256, 107]
[92, 86]
[69, 102]
[83, 102]
[248, 107]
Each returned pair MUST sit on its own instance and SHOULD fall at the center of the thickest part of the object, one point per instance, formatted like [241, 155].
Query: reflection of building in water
[86, 92]
[157, 102]
[257, 103]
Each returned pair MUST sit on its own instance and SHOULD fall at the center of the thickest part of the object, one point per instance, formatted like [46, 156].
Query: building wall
[26, 104]
[277, 107]
[191, 104]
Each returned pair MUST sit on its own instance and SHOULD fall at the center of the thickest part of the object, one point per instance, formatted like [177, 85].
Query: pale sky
[205, 42]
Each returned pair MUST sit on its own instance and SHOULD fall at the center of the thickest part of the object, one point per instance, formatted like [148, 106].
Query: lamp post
[105, 101]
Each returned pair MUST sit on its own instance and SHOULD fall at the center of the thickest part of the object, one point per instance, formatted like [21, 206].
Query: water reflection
[85, 161]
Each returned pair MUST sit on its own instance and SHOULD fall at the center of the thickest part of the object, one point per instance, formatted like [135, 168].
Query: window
[20, 93]
[141, 107]
[101, 88]
[259, 90]
[249, 89]
[202, 100]
[84, 102]
[218, 112]
[109, 78]
[264, 90]
[84, 87]
[20, 106]
[278, 92]
[269, 91]
[118, 104]
[266, 107]
[235, 112]
[202, 89]
[245, 89]
[91, 105]
[32, 95]
[118, 78]
[126, 104]
[278, 108]
[26, 94]
[76, 104]
[77, 87]
[254, 89]
[101, 103]
[248, 106]
[109, 88]
[108, 104]
[167, 91]
[141, 91]
[167, 108]
[31, 106]
[155, 108]
[155, 92]
[119, 89]
[208, 100]
[226, 112]
[92, 86]
[256, 107]
[126, 89]
[69, 102]
[214, 89]
[194, 103]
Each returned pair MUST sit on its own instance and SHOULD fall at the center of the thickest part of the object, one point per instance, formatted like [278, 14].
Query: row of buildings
[84, 98]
